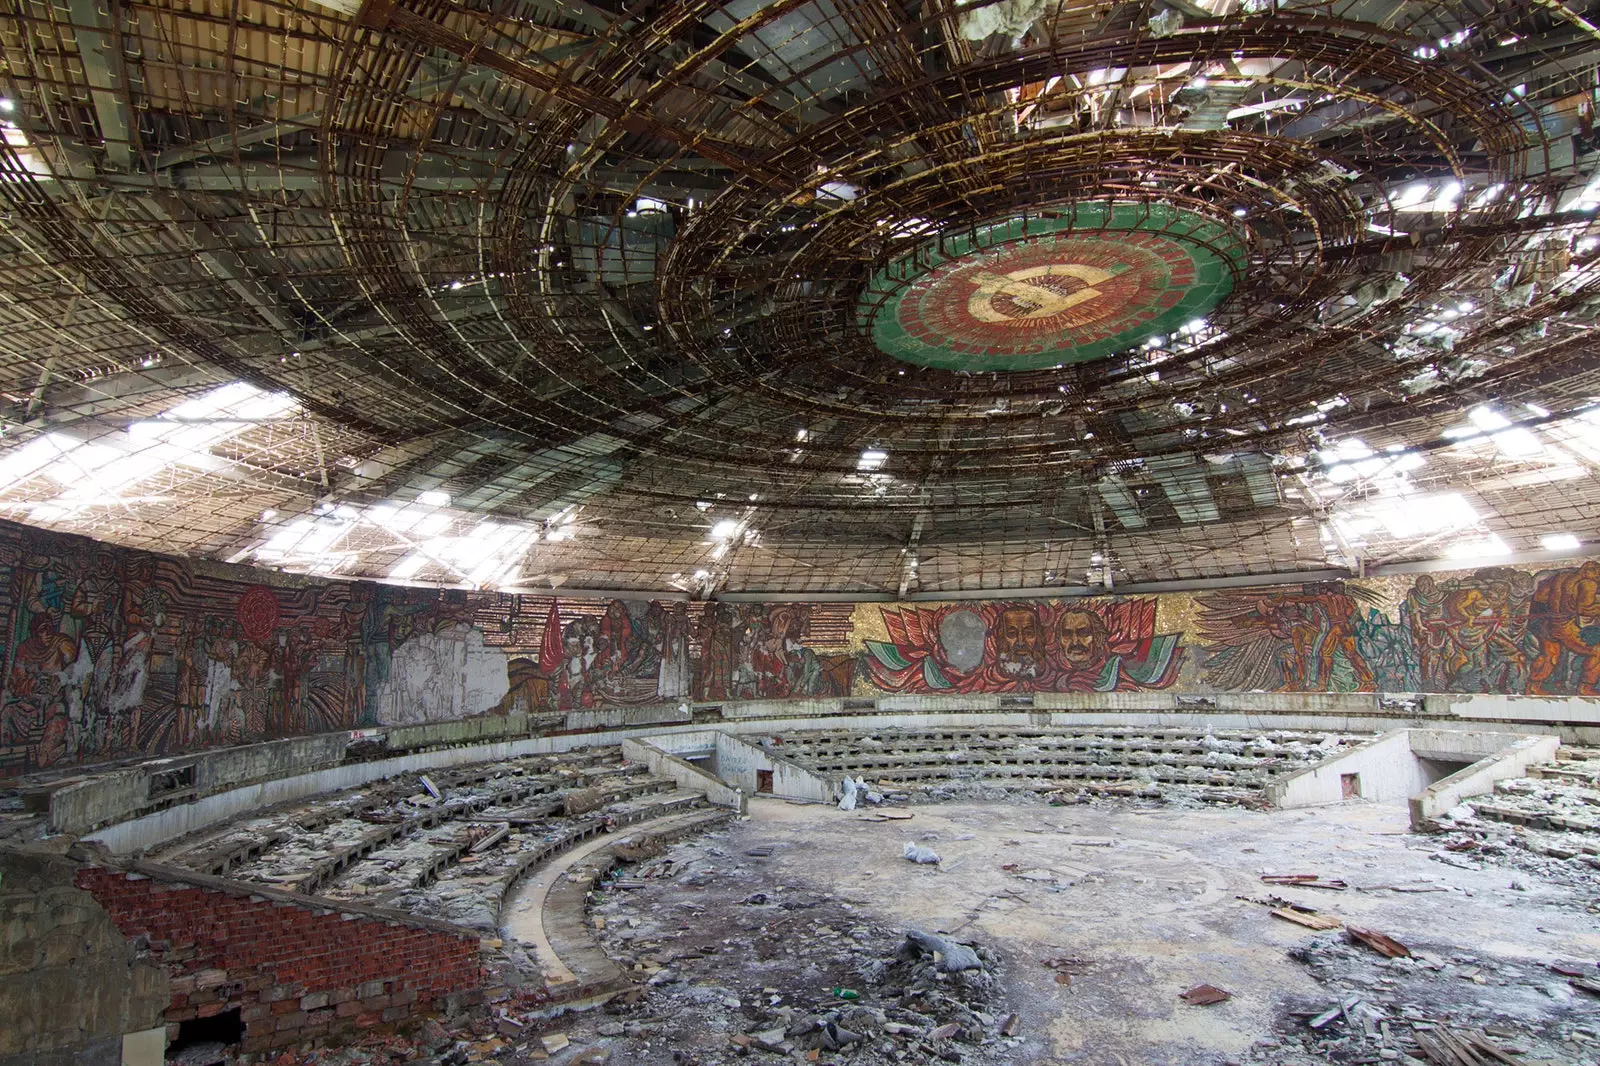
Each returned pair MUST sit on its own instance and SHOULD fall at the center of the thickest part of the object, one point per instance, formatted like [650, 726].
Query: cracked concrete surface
[1144, 900]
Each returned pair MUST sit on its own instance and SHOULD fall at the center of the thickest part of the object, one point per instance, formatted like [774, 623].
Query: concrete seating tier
[1118, 760]
[350, 824]
[471, 890]
[453, 856]
[1560, 796]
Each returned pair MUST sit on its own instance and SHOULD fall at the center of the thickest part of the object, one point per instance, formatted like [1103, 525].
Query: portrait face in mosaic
[1081, 638]
[1019, 640]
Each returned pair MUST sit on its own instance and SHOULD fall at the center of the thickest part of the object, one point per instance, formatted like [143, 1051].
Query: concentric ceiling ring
[1034, 293]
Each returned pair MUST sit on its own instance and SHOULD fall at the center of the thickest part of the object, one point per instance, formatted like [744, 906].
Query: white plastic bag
[848, 801]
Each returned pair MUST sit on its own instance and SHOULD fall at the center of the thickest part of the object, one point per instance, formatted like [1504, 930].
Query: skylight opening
[483, 556]
[1485, 423]
[1559, 542]
[1479, 548]
[109, 469]
[872, 459]
[1409, 518]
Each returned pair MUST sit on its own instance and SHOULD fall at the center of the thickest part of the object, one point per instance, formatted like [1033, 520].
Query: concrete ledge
[563, 915]
[741, 761]
[114, 807]
[1511, 761]
[683, 773]
[1391, 767]
[1385, 769]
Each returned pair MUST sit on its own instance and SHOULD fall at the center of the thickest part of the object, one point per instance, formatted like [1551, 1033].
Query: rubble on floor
[1548, 825]
[789, 972]
[1430, 1005]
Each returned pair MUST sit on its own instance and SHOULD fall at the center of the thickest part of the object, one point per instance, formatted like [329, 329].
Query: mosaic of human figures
[1023, 647]
[110, 653]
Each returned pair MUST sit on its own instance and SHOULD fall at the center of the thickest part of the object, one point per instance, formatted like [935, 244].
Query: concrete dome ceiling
[530, 294]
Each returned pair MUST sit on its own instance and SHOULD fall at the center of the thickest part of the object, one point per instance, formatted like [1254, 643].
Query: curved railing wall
[113, 654]
[142, 804]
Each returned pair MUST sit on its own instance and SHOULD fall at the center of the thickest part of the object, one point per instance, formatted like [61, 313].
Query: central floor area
[1093, 919]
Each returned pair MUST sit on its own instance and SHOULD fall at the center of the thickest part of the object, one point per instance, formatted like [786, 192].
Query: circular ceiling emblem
[1028, 294]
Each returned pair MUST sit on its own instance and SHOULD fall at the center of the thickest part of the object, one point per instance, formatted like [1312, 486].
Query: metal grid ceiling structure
[534, 294]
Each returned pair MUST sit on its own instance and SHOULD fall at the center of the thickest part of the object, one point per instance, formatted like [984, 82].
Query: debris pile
[1548, 826]
[1392, 1002]
[784, 972]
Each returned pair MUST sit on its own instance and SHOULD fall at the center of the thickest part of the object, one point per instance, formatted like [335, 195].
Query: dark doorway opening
[202, 1041]
[1439, 769]
[763, 780]
[1350, 786]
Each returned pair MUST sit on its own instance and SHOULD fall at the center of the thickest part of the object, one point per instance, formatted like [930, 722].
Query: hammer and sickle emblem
[1037, 301]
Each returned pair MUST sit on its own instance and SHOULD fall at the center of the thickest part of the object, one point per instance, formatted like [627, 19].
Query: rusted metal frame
[405, 22]
[100, 54]
[31, 202]
[565, 362]
[887, 42]
[1030, 66]
[367, 229]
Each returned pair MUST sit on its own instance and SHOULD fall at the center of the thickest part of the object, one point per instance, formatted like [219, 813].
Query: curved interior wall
[110, 653]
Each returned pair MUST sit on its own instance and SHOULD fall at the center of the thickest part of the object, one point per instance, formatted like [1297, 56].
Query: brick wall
[296, 971]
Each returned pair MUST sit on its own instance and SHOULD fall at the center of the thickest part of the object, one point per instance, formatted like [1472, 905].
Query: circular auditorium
[842, 532]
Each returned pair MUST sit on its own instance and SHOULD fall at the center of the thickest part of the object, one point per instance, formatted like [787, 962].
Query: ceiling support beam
[222, 261]
[224, 144]
[100, 52]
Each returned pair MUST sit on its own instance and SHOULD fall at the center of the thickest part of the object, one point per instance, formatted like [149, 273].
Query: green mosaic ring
[1030, 294]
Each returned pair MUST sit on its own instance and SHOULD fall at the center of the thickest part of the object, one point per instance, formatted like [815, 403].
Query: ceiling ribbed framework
[529, 294]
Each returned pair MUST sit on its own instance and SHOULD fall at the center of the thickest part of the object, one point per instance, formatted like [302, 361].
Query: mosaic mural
[110, 653]
[1023, 647]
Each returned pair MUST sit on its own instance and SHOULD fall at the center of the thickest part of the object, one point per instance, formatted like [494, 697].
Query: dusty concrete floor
[1146, 900]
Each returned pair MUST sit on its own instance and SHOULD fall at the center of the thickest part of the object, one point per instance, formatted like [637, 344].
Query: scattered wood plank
[492, 839]
[1309, 919]
[1462, 1047]
[1204, 996]
[1379, 942]
[1304, 881]
[433, 789]
[1338, 1010]
[1585, 985]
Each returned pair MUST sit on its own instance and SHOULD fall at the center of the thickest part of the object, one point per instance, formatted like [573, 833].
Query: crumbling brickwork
[70, 983]
[295, 971]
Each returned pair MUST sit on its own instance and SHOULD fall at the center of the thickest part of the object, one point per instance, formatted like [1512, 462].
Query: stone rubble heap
[1548, 825]
[1376, 1008]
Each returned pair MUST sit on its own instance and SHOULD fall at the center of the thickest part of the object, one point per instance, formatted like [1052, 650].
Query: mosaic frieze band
[110, 653]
